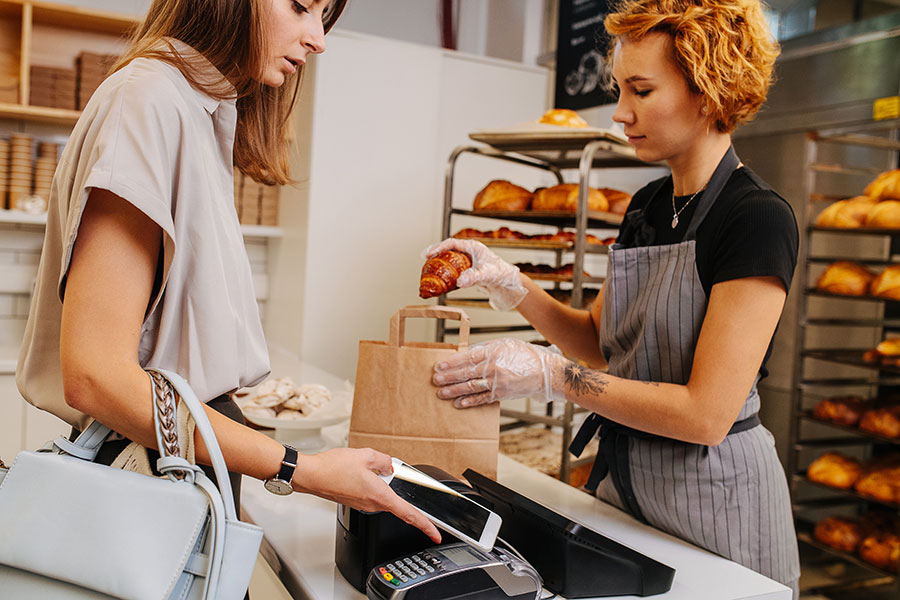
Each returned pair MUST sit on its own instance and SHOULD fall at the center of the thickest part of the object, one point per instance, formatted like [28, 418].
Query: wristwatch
[281, 483]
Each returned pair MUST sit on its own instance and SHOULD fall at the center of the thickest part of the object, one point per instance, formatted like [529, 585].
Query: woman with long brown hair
[143, 262]
[670, 354]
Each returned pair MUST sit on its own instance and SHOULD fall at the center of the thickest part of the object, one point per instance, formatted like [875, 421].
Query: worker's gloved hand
[488, 272]
[498, 370]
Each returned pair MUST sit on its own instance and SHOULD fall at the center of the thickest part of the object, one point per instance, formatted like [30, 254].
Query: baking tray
[537, 244]
[596, 218]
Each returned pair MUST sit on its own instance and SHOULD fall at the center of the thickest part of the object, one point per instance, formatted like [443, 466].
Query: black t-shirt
[750, 231]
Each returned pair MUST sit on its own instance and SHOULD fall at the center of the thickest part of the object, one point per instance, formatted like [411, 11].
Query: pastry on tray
[884, 187]
[883, 421]
[842, 533]
[440, 272]
[843, 410]
[884, 215]
[881, 549]
[887, 283]
[845, 278]
[501, 195]
[834, 470]
[564, 197]
[562, 117]
[846, 214]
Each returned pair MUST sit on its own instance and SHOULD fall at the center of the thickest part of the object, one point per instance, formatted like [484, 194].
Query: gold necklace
[679, 211]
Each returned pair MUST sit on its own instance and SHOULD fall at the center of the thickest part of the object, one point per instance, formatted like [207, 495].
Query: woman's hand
[489, 272]
[497, 370]
[349, 476]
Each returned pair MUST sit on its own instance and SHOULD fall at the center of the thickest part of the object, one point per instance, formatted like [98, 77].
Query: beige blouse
[152, 139]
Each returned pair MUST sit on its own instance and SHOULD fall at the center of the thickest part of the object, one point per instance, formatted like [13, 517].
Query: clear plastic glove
[489, 272]
[498, 370]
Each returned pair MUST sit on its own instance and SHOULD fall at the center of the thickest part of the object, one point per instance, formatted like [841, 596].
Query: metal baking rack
[809, 435]
[552, 155]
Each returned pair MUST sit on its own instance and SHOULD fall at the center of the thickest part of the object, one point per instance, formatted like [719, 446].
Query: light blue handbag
[72, 528]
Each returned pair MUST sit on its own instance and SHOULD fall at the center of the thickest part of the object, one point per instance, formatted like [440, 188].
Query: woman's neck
[692, 170]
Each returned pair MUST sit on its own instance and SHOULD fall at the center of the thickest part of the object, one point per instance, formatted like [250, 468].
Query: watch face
[277, 486]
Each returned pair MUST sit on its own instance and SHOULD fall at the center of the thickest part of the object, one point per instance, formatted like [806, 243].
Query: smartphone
[445, 507]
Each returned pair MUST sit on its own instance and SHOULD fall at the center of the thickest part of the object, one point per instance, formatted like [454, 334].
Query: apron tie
[612, 454]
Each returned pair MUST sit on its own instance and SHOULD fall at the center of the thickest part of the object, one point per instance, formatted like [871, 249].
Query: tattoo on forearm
[582, 381]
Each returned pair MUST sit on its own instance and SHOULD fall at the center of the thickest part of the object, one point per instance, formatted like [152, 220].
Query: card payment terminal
[454, 571]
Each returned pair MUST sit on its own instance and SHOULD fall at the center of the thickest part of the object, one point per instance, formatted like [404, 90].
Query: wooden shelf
[16, 217]
[41, 114]
[69, 16]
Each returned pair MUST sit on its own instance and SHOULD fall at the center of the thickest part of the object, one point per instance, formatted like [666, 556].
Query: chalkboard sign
[582, 78]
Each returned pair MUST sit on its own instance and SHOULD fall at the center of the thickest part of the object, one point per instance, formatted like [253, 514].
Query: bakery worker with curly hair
[695, 287]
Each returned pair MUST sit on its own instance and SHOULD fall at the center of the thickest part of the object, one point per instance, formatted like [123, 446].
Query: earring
[704, 110]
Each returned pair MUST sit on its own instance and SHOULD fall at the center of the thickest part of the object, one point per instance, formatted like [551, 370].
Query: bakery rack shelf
[854, 156]
[804, 534]
[850, 493]
[550, 152]
[38, 114]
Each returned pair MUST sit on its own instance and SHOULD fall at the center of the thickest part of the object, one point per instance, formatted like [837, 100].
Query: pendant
[674, 221]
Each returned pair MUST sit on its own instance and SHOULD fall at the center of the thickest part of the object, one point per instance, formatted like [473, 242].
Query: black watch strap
[288, 464]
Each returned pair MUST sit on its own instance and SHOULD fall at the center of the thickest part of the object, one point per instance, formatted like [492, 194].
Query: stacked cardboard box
[4, 172]
[44, 167]
[20, 169]
[255, 203]
[53, 87]
[92, 70]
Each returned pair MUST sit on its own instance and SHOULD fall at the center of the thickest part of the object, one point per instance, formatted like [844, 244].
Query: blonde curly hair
[723, 48]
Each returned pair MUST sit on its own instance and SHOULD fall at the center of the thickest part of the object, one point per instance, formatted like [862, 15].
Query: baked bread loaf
[881, 549]
[564, 197]
[844, 410]
[440, 272]
[885, 186]
[884, 215]
[846, 214]
[842, 533]
[562, 117]
[834, 470]
[883, 421]
[469, 233]
[846, 278]
[887, 283]
[881, 484]
[618, 200]
[502, 195]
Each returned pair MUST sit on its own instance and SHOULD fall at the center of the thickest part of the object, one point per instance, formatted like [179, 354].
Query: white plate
[306, 432]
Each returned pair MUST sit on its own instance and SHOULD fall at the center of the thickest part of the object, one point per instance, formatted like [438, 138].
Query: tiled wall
[20, 248]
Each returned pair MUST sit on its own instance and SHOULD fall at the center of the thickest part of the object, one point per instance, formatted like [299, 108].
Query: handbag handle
[398, 321]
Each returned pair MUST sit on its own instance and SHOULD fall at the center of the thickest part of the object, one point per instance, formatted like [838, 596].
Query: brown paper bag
[396, 409]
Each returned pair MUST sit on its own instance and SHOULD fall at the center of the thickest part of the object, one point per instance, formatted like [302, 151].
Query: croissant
[440, 272]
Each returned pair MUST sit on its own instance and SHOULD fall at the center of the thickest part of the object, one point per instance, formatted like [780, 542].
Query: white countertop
[301, 530]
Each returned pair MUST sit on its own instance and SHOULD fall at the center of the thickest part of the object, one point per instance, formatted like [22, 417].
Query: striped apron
[731, 499]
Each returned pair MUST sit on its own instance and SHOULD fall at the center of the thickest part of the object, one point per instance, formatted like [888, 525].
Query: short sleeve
[129, 146]
[759, 238]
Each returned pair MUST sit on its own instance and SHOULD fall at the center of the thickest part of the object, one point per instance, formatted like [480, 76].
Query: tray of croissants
[875, 479]
[878, 208]
[847, 278]
[510, 238]
[878, 417]
[503, 199]
[874, 537]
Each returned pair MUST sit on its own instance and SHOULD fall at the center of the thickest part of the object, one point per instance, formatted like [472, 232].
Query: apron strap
[719, 178]
[613, 454]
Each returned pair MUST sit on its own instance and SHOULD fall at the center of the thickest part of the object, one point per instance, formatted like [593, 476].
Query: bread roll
[844, 410]
[884, 215]
[882, 550]
[885, 186]
[618, 200]
[834, 470]
[884, 421]
[502, 195]
[562, 117]
[847, 278]
[842, 533]
[564, 197]
[846, 214]
[440, 272]
[887, 284]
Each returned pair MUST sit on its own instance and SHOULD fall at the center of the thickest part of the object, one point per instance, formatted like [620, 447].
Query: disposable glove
[489, 272]
[498, 370]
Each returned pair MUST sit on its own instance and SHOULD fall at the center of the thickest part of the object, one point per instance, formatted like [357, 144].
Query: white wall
[380, 118]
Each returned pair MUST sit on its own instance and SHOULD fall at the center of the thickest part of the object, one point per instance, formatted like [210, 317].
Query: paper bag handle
[398, 321]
